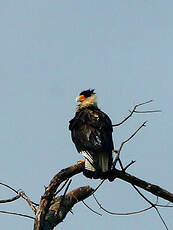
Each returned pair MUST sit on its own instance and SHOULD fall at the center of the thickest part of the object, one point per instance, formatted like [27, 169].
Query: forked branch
[49, 204]
[152, 205]
[49, 195]
[118, 213]
[62, 205]
[52, 210]
[135, 111]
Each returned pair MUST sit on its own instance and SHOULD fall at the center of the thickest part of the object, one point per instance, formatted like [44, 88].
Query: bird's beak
[80, 98]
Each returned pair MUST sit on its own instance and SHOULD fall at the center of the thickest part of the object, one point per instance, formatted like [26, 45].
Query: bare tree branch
[164, 206]
[62, 205]
[52, 211]
[67, 187]
[135, 111]
[99, 185]
[153, 205]
[128, 139]
[127, 166]
[91, 209]
[62, 187]
[7, 186]
[154, 189]
[11, 199]
[25, 197]
[124, 142]
[17, 214]
[148, 111]
[118, 213]
[20, 194]
[48, 196]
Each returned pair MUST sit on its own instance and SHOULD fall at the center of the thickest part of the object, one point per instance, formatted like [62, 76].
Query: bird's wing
[92, 131]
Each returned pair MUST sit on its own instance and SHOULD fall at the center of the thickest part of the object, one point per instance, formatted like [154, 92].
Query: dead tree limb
[135, 111]
[62, 205]
[52, 211]
[50, 191]
[24, 196]
[154, 189]
[10, 200]
[17, 214]
[124, 142]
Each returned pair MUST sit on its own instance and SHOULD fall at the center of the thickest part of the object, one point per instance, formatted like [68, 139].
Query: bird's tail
[89, 162]
[99, 167]
[103, 162]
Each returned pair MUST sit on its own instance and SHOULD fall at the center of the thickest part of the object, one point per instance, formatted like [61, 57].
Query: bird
[91, 131]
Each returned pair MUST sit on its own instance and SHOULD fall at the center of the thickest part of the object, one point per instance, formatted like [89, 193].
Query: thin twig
[124, 142]
[63, 196]
[127, 166]
[134, 111]
[161, 218]
[128, 139]
[17, 214]
[153, 205]
[99, 185]
[143, 196]
[164, 206]
[91, 209]
[10, 200]
[120, 214]
[62, 187]
[24, 196]
[148, 111]
[9, 187]
[121, 164]
[67, 187]
[16, 191]
[34, 203]
[143, 103]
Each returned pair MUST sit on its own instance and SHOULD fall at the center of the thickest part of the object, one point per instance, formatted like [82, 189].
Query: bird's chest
[93, 117]
[86, 120]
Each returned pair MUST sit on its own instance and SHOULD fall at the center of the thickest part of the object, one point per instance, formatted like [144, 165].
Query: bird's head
[87, 98]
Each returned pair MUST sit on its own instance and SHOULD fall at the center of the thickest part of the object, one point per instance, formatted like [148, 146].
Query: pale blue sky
[52, 50]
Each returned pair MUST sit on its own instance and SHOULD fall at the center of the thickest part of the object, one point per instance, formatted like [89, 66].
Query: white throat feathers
[89, 101]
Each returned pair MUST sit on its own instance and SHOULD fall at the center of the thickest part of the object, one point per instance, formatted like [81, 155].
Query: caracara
[91, 131]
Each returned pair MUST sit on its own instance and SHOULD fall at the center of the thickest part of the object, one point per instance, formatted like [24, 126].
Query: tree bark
[154, 189]
[52, 211]
[63, 204]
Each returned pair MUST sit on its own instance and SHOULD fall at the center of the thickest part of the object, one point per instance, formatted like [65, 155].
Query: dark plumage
[91, 131]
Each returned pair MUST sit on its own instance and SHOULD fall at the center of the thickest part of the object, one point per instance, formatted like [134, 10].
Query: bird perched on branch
[91, 131]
